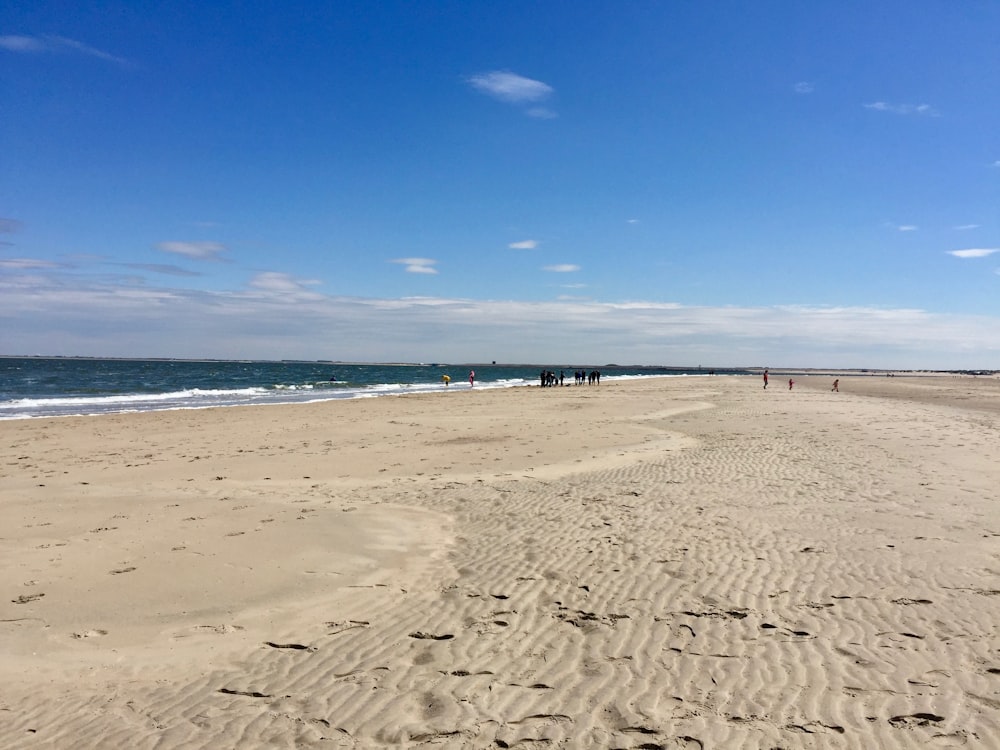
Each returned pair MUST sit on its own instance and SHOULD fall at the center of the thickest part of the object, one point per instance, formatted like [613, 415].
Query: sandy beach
[666, 563]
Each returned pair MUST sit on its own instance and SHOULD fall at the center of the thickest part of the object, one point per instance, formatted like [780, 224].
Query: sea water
[64, 386]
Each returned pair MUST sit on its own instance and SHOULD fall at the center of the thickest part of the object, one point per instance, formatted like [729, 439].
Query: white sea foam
[133, 398]
[196, 398]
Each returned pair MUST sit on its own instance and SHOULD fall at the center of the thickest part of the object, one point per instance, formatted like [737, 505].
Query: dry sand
[671, 563]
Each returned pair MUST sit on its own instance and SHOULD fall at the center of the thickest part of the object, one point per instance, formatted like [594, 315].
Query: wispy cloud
[515, 89]
[272, 281]
[24, 264]
[561, 268]
[804, 87]
[163, 268]
[22, 44]
[276, 317]
[49, 43]
[966, 227]
[9, 226]
[541, 113]
[510, 87]
[523, 245]
[907, 228]
[417, 265]
[974, 252]
[194, 250]
[903, 109]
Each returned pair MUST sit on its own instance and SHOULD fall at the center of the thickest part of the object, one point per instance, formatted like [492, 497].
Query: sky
[666, 183]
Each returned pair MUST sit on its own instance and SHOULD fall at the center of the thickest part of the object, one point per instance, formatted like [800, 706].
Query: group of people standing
[549, 379]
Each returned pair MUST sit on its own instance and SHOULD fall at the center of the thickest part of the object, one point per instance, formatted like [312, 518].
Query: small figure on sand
[790, 383]
[472, 378]
[765, 379]
[446, 379]
[836, 386]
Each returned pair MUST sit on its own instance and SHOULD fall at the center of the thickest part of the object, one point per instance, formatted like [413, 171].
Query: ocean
[32, 387]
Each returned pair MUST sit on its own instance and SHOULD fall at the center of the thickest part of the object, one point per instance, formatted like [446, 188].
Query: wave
[136, 398]
[279, 393]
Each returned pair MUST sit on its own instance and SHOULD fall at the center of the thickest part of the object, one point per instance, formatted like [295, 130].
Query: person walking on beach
[765, 379]
[472, 378]
[790, 383]
[836, 385]
[446, 379]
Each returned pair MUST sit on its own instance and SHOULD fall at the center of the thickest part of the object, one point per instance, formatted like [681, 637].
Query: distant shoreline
[756, 370]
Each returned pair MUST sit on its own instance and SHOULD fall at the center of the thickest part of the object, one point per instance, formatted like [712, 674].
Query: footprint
[919, 720]
[431, 637]
[536, 686]
[219, 629]
[96, 633]
[342, 626]
[25, 598]
[118, 571]
[247, 693]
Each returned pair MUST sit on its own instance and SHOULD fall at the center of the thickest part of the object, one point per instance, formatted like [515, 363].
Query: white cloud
[966, 227]
[195, 250]
[163, 268]
[804, 87]
[541, 113]
[561, 268]
[903, 109]
[272, 281]
[523, 245]
[907, 228]
[631, 221]
[276, 318]
[417, 265]
[40, 44]
[510, 87]
[26, 263]
[21, 44]
[976, 252]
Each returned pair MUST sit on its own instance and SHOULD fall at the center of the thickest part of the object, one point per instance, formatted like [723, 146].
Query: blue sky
[781, 183]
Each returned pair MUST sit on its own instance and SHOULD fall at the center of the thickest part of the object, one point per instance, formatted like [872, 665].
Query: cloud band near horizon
[278, 317]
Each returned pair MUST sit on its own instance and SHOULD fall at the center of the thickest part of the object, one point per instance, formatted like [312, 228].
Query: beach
[687, 562]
